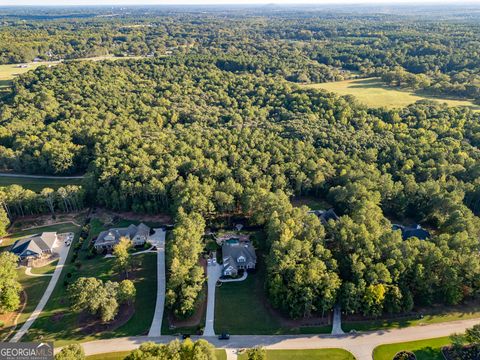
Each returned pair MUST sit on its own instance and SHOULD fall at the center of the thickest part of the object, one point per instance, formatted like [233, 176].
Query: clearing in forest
[373, 93]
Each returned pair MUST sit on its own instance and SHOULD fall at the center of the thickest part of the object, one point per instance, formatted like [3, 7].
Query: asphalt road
[361, 345]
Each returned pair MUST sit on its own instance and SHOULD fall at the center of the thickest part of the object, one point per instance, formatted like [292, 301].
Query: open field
[221, 355]
[37, 184]
[318, 354]
[429, 349]
[374, 93]
[58, 322]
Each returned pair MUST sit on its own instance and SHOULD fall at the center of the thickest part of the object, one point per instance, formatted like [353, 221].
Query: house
[412, 231]
[106, 240]
[325, 215]
[237, 255]
[35, 246]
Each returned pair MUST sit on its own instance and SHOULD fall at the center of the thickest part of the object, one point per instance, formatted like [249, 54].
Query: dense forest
[435, 54]
[218, 129]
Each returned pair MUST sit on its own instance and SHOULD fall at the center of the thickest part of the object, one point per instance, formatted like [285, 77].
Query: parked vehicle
[224, 336]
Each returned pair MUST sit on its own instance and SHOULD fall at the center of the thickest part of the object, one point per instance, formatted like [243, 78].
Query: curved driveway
[63, 254]
[361, 345]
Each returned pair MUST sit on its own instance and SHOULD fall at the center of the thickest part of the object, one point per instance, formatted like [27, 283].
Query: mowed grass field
[315, 354]
[37, 184]
[430, 349]
[373, 93]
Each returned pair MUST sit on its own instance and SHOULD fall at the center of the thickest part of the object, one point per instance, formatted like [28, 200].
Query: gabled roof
[36, 244]
[234, 251]
[112, 236]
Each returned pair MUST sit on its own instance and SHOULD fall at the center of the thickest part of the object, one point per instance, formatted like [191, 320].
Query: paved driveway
[158, 240]
[361, 345]
[214, 271]
[62, 250]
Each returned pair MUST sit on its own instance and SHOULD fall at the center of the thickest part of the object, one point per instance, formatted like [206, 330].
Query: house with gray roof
[138, 234]
[237, 255]
[35, 246]
[325, 215]
[412, 231]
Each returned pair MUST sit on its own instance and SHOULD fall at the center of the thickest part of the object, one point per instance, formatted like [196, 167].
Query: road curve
[361, 345]
[51, 177]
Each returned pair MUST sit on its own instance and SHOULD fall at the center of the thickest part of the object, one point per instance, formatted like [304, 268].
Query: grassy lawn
[47, 269]
[240, 307]
[315, 354]
[221, 355]
[57, 323]
[37, 184]
[462, 312]
[429, 349]
[374, 93]
[60, 228]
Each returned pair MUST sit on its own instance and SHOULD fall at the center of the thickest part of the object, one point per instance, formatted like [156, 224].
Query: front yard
[57, 323]
[316, 354]
[430, 349]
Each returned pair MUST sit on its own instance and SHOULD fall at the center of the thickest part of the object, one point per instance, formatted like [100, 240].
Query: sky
[210, 2]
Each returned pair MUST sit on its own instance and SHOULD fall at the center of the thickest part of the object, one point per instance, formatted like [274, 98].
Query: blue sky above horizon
[215, 2]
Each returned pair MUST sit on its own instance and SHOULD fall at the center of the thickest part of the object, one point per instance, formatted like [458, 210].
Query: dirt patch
[89, 324]
[31, 221]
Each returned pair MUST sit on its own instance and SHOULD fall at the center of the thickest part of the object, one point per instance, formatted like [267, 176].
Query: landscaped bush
[404, 355]
[462, 353]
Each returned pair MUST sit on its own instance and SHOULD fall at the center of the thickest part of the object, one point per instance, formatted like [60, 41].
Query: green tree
[10, 288]
[71, 352]
[4, 222]
[257, 353]
[123, 258]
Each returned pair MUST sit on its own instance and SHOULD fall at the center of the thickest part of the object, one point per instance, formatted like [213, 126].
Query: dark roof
[112, 236]
[412, 231]
[35, 244]
[325, 216]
